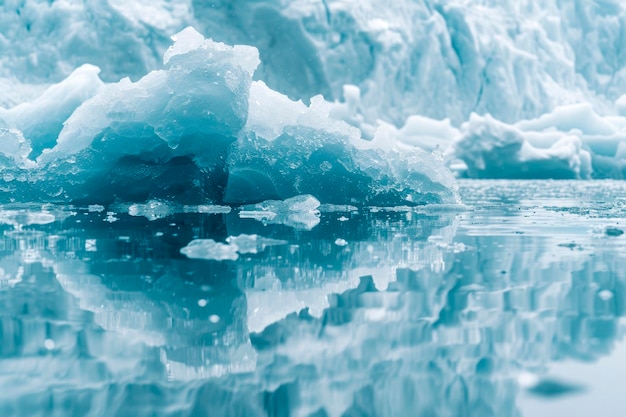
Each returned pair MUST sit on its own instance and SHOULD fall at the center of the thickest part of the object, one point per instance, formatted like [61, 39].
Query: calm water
[512, 307]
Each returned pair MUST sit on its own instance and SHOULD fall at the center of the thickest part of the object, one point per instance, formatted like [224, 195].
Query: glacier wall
[437, 58]
[512, 59]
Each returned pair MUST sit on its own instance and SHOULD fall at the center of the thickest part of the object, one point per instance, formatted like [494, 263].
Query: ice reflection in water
[377, 313]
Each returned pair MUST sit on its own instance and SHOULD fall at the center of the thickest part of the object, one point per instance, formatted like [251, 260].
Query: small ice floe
[158, 209]
[341, 242]
[234, 246]
[300, 212]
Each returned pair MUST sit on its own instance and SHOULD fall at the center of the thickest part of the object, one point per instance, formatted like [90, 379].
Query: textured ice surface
[44, 41]
[441, 59]
[513, 59]
[200, 131]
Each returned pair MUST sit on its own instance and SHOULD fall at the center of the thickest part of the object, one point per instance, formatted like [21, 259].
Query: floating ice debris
[151, 210]
[207, 209]
[606, 295]
[91, 245]
[210, 249]
[110, 218]
[342, 208]
[253, 243]
[299, 212]
[157, 209]
[235, 245]
[19, 218]
[49, 344]
[95, 208]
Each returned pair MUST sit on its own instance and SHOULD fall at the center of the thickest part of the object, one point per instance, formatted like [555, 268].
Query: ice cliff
[507, 89]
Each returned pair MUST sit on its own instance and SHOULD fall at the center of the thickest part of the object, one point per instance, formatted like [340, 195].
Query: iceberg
[200, 130]
[493, 149]
[571, 142]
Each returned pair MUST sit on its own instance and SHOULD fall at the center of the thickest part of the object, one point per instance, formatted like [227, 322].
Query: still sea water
[511, 307]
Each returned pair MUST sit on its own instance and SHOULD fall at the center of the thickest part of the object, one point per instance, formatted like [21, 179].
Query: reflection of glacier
[449, 343]
[110, 316]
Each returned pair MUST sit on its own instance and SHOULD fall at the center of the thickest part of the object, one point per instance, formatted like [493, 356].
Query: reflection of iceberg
[155, 316]
[421, 319]
[190, 312]
[450, 343]
[302, 275]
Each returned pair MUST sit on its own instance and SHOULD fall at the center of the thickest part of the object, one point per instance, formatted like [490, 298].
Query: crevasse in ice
[201, 130]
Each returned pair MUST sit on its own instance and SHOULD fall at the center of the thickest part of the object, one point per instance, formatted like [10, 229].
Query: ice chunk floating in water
[200, 130]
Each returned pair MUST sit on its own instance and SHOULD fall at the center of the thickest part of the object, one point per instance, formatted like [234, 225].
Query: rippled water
[512, 307]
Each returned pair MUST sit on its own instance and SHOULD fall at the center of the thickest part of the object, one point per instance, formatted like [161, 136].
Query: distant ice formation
[571, 142]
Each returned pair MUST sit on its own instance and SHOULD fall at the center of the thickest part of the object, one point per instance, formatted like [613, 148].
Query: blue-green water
[512, 307]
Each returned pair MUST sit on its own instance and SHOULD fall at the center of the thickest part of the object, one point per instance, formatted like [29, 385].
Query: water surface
[510, 307]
